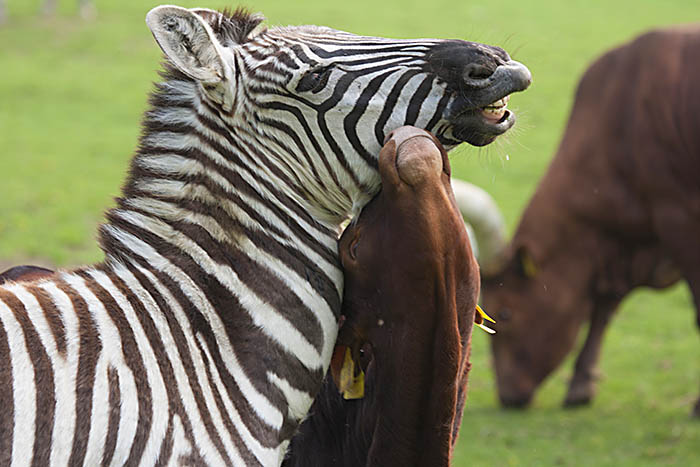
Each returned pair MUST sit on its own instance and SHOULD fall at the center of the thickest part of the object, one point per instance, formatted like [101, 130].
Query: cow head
[411, 283]
[537, 293]
[538, 314]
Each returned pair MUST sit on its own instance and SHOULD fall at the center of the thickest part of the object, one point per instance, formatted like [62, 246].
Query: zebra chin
[472, 127]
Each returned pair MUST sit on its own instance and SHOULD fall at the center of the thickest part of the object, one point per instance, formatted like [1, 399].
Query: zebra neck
[208, 212]
[227, 225]
[251, 150]
[201, 176]
[176, 217]
[255, 272]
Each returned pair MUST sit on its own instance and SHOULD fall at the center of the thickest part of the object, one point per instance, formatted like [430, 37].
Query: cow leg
[582, 386]
[694, 284]
[693, 279]
[678, 229]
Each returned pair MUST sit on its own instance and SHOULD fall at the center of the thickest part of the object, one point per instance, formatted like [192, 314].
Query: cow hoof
[571, 403]
[517, 403]
[579, 396]
[696, 410]
[581, 389]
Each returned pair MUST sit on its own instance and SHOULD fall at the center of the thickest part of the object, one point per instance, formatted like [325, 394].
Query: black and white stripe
[206, 332]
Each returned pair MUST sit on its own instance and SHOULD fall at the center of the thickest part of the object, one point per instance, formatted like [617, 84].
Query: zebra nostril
[475, 71]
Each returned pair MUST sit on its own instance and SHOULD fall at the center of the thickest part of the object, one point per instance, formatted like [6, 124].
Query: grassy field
[71, 96]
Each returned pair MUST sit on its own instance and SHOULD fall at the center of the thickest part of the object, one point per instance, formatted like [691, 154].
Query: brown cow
[411, 284]
[619, 208]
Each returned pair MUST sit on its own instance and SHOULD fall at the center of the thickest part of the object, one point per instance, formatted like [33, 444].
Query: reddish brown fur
[409, 266]
[618, 209]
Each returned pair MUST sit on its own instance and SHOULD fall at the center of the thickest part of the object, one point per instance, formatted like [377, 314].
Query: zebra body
[206, 332]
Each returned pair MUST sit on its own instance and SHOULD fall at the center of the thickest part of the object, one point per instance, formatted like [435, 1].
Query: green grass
[640, 417]
[71, 96]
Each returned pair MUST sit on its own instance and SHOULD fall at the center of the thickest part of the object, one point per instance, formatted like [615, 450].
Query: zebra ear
[189, 42]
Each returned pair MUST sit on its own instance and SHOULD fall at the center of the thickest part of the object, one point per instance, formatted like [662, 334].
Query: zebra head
[320, 102]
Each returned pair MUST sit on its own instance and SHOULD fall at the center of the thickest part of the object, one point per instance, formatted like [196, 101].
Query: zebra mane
[176, 89]
[232, 26]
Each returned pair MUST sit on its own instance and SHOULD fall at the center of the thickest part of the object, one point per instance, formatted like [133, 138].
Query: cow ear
[189, 43]
[524, 263]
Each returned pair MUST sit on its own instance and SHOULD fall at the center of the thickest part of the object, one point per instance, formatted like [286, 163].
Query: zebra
[206, 332]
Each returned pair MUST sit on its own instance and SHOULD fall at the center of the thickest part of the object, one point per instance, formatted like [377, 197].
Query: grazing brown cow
[411, 284]
[619, 208]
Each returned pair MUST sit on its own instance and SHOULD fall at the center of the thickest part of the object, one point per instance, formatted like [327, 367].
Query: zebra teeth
[496, 111]
[499, 103]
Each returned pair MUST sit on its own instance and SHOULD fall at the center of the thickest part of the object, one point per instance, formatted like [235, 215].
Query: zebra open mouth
[496, 112]
[480, 126]
[479, 113]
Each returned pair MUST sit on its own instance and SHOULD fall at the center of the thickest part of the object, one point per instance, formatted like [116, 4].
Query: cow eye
[504, 314]
[353, 247]
[314, 80]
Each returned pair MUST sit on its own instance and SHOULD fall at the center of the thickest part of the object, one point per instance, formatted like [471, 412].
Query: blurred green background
[72, 93]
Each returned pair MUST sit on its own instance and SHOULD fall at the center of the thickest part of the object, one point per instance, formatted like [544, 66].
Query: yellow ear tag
[352, 386]
[479, 320]
[528, 265]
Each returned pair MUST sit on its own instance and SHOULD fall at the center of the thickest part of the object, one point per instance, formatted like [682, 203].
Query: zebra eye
[314, 80]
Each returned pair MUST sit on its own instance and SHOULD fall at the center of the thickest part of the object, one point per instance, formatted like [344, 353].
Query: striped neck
[238, 240]
[201, 170]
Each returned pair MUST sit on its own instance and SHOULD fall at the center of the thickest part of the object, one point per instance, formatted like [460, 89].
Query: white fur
[265, 410]
[24, 386]
[264, 455]
[111, 356]
[267, 318]
[203, 58]
[155, 382]
[66, 371]
[300, 401]
[314, 303]
[201, 436]
[181, 445]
